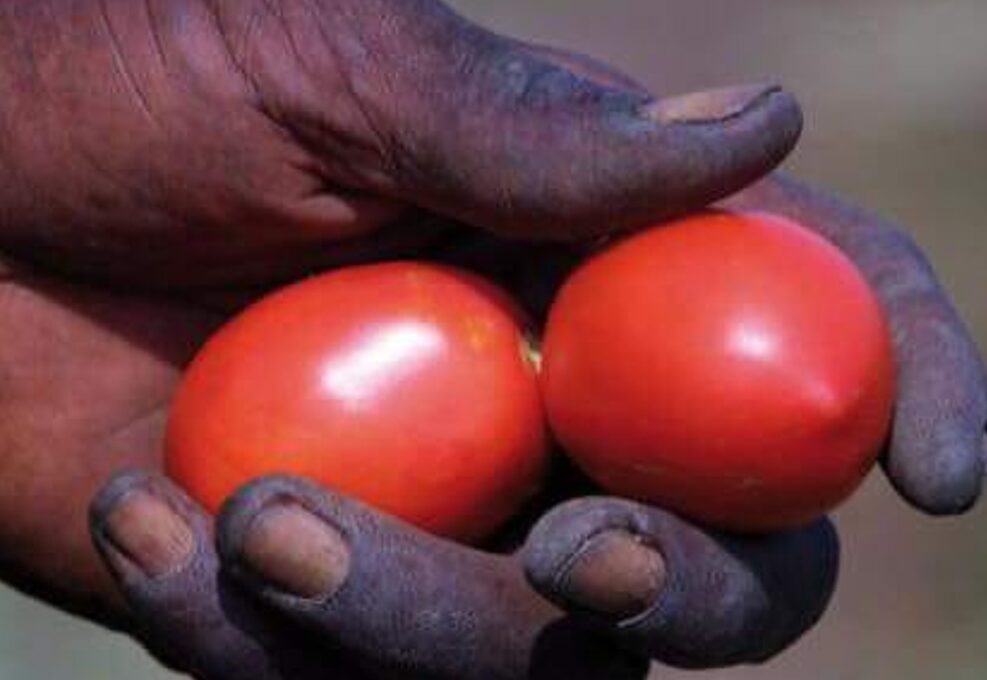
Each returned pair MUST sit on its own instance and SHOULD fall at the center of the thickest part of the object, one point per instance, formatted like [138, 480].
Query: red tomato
[734, 368]
[405, 385]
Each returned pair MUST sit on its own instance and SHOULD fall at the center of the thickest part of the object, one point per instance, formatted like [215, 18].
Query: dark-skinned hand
[157, 155]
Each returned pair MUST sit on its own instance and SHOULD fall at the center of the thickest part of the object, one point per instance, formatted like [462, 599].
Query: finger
[159, 547]
[676, 593]
[409, 604]
[936, 454]
[466, 123]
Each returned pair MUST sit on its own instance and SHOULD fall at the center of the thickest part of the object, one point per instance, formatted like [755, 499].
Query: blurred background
[895, 94]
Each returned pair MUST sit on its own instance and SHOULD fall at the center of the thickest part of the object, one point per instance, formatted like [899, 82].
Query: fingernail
[614, 574]
[147, 531]
[710, 106]
[296, 552]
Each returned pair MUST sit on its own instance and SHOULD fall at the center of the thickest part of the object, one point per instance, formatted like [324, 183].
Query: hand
[307, 584]
[227, 141]
[191, 150]
[622, 576]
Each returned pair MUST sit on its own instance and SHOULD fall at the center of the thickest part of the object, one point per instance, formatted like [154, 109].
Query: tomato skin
[732, 367]
[402, 384]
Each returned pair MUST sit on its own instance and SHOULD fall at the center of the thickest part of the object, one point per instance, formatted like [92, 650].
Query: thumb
[409, 100]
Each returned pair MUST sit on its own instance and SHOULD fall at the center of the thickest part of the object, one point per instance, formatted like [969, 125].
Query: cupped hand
[221, 145]
[346, 591]
[294, 581]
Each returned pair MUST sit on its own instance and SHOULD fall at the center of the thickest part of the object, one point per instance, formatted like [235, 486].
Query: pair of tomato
[734, 368]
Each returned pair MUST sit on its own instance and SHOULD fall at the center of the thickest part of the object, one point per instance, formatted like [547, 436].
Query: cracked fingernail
[710, 106]
[614, 574]
[147, 531]
[295, 552]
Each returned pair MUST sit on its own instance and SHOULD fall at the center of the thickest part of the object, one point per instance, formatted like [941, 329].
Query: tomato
[406, 385]
[734, 368]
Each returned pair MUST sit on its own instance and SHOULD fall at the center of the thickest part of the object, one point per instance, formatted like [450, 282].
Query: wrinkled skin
[161, 162]
[223, 140]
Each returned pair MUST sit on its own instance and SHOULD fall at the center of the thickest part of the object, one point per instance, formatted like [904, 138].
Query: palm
[86, 378]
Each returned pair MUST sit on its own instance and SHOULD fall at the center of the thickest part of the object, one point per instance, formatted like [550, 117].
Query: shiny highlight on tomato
[405, 385]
